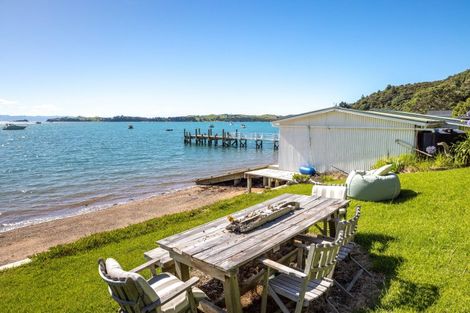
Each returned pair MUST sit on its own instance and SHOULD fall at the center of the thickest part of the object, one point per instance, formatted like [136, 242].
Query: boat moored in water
[13, 127]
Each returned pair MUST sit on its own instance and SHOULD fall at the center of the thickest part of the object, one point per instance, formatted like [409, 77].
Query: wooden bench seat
[165, 261]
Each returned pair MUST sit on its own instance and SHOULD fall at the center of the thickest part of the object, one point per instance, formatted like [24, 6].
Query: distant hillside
[31, 118]
[452, 93]
[189, 118]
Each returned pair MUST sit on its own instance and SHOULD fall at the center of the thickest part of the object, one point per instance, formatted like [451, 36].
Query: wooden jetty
[230, 139]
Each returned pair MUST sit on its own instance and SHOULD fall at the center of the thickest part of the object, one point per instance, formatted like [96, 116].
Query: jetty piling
[228, 139]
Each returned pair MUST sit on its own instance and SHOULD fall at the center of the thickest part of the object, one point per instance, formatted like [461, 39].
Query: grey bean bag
[373, 185]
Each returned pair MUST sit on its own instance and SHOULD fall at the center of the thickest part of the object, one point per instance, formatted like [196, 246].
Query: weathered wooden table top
[212, 244]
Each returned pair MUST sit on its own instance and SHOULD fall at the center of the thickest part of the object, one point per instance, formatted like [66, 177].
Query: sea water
[54, 170]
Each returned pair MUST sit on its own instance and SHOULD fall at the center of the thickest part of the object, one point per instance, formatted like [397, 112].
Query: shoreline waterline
[24, 242]
[86, 209]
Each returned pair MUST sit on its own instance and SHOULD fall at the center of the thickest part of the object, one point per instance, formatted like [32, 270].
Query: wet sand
[23, 242]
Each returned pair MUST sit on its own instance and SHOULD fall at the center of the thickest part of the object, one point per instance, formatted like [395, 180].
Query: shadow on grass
[405, 195]
[406, 294]
[409, 295]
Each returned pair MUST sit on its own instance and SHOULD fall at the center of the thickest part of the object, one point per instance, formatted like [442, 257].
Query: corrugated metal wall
[344, 140]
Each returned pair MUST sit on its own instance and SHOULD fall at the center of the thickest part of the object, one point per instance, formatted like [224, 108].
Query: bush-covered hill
[188, 118]
[452, 93]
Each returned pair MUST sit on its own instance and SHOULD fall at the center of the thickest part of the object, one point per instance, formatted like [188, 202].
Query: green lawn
[421, 242]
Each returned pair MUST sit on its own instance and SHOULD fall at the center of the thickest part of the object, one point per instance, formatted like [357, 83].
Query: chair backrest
[321, 258]
[349, 227]
[130, 290]
[328, 191]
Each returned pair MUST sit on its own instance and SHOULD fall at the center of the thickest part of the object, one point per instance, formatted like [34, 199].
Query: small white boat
[13, 127]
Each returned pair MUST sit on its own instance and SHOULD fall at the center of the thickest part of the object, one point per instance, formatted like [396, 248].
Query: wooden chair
[329, 191]
[302, 287]
[333, 192]
[349, 229]
[162, 293]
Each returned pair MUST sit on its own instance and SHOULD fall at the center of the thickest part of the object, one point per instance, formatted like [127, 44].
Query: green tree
[461, 108]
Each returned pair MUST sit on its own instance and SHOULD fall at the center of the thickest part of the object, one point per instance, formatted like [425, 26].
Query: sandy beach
[23, 242]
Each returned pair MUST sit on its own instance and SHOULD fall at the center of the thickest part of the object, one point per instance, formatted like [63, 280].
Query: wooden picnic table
[220, 253]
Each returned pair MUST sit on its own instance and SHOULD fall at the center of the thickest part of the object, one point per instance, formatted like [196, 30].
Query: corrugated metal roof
[406, 117]
[447, 120]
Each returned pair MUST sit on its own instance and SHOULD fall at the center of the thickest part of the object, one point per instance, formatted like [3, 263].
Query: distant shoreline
[189, 118]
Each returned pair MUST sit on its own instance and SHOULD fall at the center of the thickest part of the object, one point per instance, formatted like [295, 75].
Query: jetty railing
[230, 139]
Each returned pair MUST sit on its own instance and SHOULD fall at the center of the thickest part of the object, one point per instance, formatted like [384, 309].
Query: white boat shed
[350, 139]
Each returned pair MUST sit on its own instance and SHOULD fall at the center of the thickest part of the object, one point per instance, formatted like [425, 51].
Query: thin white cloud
[7, 102]
[10, 107]
[43, 109]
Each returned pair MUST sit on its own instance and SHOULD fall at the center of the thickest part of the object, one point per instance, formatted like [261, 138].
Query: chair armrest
[283, 269]
[304, 238]
[180, 289]
[208, 307]
[171, 295]
[317, 239]
[146, 265]
[301, 246]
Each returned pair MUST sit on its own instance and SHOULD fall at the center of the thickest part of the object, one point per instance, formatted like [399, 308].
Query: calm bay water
[54, 170]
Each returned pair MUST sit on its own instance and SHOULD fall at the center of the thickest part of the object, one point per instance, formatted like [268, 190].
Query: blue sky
[166, 58]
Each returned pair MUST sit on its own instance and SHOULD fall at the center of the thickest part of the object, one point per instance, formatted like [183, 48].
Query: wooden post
[232, 294]
[249, 183]
[182, 271]
[276, 145]
[332, 224]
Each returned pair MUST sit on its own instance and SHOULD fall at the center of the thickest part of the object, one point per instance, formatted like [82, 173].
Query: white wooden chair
[329, 191]
[349, 229]
[333, 192]
[302, 287]
[162, 293]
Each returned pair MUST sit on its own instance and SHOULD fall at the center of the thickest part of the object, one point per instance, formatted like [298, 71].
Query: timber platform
[230, 139]
[236, 176]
